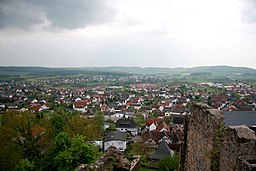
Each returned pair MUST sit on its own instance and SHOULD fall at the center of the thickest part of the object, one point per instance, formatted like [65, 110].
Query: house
[162, 126]
[155, 136]
[2, 107]
[104, 107]
[178, 118]
[178, 108]
[100, 92]
[156, 124]
[35, 107]
[230, 108]
[150, 143]
[115, 138]
[80, 106]
[151, 123]
[106, 125]
[174, 138]
[127, 125]
[117, 116]
[150, 138]
[45, 106]
[136, 106]
[163, 150]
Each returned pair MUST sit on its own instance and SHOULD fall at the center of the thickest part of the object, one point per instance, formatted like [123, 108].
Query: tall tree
[58, 123]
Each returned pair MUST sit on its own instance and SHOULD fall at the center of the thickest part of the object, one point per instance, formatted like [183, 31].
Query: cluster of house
[239, 97]
[157, 138]
[147, 99]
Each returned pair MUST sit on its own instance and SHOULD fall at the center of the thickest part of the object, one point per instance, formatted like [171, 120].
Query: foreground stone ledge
[113, 159]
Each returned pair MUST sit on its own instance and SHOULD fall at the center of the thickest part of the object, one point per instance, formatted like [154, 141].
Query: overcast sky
[155, 33]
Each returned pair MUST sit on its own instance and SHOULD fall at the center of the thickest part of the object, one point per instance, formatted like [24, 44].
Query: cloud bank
[162, 33]
[66, 14]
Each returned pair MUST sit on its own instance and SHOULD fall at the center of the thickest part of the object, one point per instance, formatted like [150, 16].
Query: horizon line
[162, 67]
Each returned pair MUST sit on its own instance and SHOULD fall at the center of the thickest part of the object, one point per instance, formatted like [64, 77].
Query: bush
[169, 163]
[24, 165]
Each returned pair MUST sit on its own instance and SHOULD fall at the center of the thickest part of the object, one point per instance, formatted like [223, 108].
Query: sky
[145, 33]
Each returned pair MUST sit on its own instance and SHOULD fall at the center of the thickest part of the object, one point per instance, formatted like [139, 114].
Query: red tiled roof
[231, 108]
[47, 104]
[163, 125]
[35, 107]
[149, 121]
[80, 104]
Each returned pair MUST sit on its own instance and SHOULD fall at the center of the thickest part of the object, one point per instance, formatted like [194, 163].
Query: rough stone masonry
[208, 145]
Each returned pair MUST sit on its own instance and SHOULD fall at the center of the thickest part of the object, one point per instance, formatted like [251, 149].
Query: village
[145, 119]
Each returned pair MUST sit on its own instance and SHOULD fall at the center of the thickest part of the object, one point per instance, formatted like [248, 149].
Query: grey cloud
[67, 14]
[18, 14]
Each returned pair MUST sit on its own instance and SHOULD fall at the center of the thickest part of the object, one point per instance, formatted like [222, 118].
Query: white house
[119, 115]
[80, 106]
[127, 125]
[115, 138]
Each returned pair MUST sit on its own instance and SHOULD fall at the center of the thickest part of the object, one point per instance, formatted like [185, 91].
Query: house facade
[80, 106]
[127, 125]
[115, 138]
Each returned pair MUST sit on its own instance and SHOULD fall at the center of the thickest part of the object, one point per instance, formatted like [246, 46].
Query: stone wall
[237, 145]
[200, 132]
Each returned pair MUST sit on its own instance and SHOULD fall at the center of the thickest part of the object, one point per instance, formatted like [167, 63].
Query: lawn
[209, 90]
[146, 169]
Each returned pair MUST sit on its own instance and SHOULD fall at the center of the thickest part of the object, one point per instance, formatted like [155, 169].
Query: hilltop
[202, 73]
[131, 70]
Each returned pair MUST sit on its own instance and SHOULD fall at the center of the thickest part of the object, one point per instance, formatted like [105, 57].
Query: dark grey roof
[234, 118]
[162, 151]
[178, 119]
[115, 135]
[126, 123]
[176, 109]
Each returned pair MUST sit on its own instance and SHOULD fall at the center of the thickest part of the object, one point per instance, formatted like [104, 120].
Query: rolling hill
[202, 72]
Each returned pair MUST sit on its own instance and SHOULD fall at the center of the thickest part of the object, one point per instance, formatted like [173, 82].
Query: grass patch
[146, 169]
[208, 90]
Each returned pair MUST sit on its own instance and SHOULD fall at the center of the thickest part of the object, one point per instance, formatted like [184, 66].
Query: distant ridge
[220, 69]
[128, 70]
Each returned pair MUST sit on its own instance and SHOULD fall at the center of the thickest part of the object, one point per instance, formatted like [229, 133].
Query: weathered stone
[112, 160]
[239, 147]
[201, 128]
[236, 146]
[244, 132]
